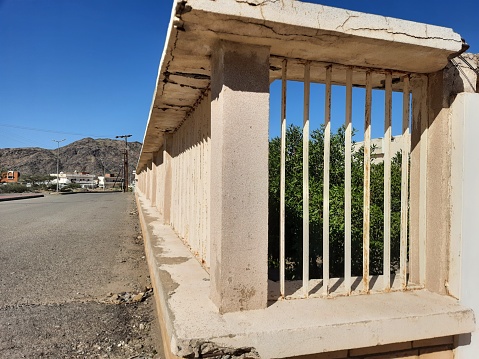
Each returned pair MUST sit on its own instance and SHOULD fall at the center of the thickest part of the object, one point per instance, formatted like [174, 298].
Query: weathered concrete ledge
[192, 326]
[290, 29]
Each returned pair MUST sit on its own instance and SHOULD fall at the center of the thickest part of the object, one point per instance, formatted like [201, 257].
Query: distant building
[110, 180]
[377, 144]
[10, 177]
[85, 179]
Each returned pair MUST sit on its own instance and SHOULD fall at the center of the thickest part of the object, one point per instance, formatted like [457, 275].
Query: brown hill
[86, 155]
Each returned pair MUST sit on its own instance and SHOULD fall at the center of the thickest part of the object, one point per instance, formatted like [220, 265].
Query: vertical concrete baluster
[326, 170]
[423, 181]
[405, 148]
[367, 180]
[282, 213]
[306, 179]
[387, 184]
[347, 180]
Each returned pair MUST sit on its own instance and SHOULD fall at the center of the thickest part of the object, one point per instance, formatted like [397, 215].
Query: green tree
[294, 206]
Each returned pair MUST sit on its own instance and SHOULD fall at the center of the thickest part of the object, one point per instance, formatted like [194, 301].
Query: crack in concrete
[345, 21]
[389, 31]
[169, 62]
[276, 32]
[256, 2]
[172, 106]
[184, 85]
[352, 29]
[167, 75]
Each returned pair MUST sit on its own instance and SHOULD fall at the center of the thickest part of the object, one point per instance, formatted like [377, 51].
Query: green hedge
[294, 208]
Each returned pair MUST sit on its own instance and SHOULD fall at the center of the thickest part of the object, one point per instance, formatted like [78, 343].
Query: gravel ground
[73, 279]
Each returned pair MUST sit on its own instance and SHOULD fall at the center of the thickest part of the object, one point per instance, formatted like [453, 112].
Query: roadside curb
[160, 302]
[17, 197]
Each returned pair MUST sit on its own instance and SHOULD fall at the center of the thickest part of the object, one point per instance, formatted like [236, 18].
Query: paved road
[63, 260]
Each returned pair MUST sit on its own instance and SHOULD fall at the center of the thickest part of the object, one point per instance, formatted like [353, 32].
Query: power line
[52, 131]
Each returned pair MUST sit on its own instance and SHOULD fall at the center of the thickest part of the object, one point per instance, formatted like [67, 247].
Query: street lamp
[58, 157]
[125, 158]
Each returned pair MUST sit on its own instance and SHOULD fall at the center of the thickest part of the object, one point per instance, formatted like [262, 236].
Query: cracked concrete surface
[291, 29]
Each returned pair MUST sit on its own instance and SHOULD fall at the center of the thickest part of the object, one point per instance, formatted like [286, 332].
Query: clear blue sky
[77, 68]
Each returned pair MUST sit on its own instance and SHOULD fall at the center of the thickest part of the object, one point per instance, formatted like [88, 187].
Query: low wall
[415, 324]
[177, 180]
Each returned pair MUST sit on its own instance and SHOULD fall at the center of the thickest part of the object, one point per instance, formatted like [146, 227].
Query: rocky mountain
[87, 155]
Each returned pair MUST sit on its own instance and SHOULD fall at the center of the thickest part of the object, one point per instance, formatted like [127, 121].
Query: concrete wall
[190, 194]
[184, 160]
[465, 244]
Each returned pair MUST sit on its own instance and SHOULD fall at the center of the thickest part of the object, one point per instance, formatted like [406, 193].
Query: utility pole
[125, 163]
[58, 157]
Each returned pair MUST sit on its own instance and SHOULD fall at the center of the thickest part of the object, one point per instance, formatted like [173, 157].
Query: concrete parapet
[193, 326]
[292, 29]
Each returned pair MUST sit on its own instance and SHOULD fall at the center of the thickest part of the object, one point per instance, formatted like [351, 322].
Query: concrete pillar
[416, 184]
[464, 265]
[167, 157]
[444, 87]
[159, 194]
[239, 176]
[431, 186]
[438, 190]
[154, 169]
[149, 166]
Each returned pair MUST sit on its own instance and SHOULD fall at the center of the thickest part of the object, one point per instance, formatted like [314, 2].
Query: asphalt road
[69, 268]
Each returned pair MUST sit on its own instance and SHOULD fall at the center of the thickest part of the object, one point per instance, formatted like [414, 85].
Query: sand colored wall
[239, 176]
[176, 180]
[190, 179]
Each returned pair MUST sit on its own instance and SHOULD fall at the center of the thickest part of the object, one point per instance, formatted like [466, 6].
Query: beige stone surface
[438, 186]
[290, 327]
[239, 176]
[189, 180]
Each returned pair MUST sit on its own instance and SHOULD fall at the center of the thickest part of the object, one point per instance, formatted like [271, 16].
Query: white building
[110, 180]
[86, 180]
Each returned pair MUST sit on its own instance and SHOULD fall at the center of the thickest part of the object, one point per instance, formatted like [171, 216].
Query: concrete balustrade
[203, 184]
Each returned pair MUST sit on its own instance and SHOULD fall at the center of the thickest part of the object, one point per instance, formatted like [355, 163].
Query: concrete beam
[292, 29]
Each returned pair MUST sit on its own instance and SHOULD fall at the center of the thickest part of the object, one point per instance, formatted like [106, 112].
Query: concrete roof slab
[294, 30]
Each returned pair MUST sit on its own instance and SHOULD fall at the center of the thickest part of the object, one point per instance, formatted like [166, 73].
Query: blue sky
[76, 68]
